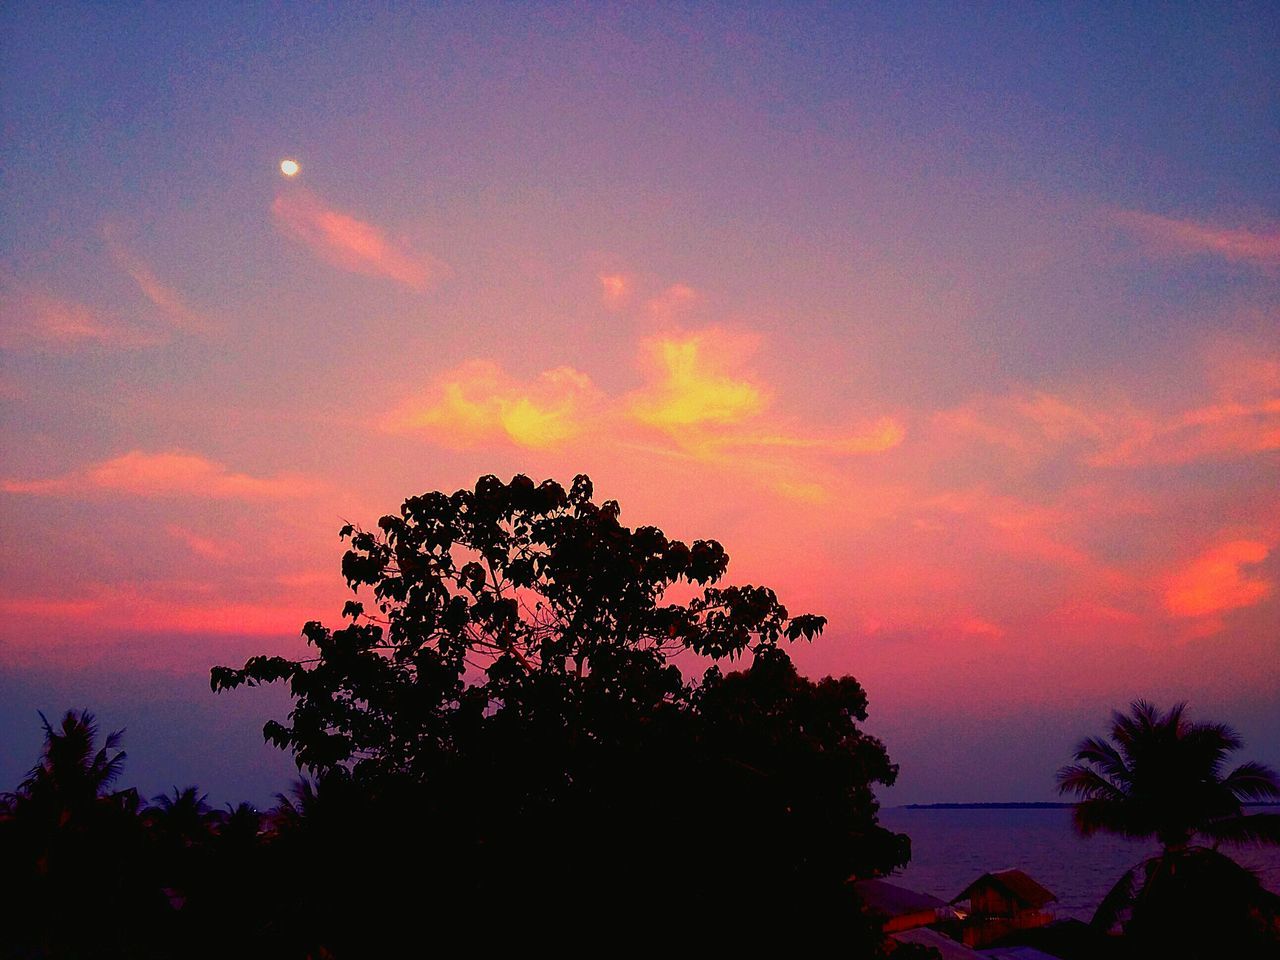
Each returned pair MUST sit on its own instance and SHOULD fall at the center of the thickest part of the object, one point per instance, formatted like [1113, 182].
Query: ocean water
[951, 848]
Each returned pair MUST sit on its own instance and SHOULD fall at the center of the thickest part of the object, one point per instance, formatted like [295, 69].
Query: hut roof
[895, 901]
[1013, 883]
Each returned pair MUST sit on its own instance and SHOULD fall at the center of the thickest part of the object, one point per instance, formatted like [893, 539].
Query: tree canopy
[507, 672]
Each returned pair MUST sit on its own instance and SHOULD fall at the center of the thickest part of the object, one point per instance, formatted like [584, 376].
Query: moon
[289, 168]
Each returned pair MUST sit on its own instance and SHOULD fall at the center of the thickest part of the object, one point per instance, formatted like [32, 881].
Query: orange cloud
[171, 474]
[479, 403]
[1215, 582]
[1187, 236]
[350, 244]
[875, 437]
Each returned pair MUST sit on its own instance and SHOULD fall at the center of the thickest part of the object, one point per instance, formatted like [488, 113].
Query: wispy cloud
[699, 403]
[700, 393]
[165, 298]
[673, 304]
[38, 320]
[1119, 432]
[169, 474]
[1174, 236]
[351, 244]
[206, 548]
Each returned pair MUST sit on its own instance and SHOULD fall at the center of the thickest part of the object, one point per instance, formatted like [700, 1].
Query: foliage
[512, 683]
[1159, 776]
[508, 598]
[505, 750]
[73, 878]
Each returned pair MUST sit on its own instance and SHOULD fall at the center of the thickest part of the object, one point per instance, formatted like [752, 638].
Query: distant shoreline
[1013, 806]
[986, 806]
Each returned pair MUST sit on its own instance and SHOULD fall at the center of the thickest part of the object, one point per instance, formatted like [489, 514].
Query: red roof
[1012, 883]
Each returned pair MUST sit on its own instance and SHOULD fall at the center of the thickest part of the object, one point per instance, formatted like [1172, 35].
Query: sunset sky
[959, 325]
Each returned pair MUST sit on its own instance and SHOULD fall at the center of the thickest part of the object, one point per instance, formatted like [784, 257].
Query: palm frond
[1106, 757]
[1115, 907]
[1245, 829]
[1087, 783]
[1253, 781]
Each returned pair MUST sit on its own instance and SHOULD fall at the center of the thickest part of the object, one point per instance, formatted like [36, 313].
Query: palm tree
[76, 861]
[70, 775]
[1162, 777]
[183, 819]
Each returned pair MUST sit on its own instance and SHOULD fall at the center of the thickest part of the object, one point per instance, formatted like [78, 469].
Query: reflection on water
[950, 848]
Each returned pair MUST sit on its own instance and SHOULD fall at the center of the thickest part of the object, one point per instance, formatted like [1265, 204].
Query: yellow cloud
[691, 385]
[696, 405]
[479, 403]
[697, 396]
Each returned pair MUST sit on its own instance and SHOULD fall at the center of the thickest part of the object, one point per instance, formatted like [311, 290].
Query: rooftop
[1014, 884]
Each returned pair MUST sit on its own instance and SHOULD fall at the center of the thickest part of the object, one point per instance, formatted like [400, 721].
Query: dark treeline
[342, 870]
[500, 746]
[500, 753]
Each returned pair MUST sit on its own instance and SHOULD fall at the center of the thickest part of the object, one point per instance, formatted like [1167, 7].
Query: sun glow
[289, 168]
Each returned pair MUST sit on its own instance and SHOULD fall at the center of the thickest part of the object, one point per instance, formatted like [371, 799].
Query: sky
[957, 324]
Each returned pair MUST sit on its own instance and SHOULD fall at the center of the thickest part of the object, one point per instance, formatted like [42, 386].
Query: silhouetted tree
[1159, 776]
[505, 720]
[77, 872]
[183, 819]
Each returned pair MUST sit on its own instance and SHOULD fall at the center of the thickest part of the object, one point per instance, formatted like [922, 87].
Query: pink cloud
[204, 547]
[169, 474]
[1216, 431]
[674, 303]
[615, 290]
[350, 244]
[1167, 234]
[165, 298]
[1119, 433]
[45, 321]
[127, 609]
